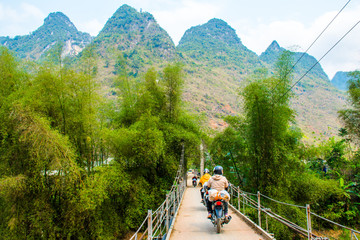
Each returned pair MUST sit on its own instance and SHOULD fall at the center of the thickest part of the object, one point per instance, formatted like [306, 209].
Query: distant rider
[203, 180]
[194, 178]
[219, 183]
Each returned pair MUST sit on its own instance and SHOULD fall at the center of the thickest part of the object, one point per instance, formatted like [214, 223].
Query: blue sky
[293, 23]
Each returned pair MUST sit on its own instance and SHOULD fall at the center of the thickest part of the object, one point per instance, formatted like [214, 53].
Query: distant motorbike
[194, 182]
[218, 216]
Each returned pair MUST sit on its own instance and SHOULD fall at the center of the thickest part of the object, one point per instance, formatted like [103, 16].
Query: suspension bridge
[182, 216]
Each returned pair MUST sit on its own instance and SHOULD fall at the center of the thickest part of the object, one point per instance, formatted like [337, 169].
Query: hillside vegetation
[217, 65]
[89, 143]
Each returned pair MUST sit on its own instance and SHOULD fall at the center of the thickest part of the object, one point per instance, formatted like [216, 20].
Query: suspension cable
[312, 43]
[318, 61]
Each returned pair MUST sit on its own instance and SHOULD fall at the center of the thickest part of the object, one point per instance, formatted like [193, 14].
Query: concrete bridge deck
[192, 222]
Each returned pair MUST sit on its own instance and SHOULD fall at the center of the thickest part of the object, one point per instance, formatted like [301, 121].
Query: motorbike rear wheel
[218, 225]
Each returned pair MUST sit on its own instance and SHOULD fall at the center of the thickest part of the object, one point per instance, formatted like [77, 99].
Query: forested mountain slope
[136, 36]
[316, 100]
[340, 80]
[132, 39]
[216, 63]
[56, 28]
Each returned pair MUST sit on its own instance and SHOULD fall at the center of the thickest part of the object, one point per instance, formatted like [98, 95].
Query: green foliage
[173, 85]
[53, 135]
[54, 140]
[44, 176]
[267, 120]
[10, 76]
[350, 116]
[262, 151]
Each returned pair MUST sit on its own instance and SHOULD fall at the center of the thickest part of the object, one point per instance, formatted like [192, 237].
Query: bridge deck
[191, 222]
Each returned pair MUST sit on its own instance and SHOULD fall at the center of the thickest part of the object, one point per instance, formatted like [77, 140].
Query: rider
[194, 178]
[219, 183]
[203, 180]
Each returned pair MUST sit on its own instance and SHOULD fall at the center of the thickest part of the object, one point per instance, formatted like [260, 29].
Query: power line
[312, 43]
[318, 61]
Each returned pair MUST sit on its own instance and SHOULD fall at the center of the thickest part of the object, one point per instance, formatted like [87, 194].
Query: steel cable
[289, 204]
[318, 61]
[313, 43]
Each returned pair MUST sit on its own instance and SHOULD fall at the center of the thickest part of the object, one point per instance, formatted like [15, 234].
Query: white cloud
[177, 20]
[21, 20]
[30, 11]
[93, 27]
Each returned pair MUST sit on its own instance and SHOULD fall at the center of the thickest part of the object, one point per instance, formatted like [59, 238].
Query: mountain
[137, 37]
[317, 101]
[57, 27]
[217, 63]
[216, 44]
[303, 62]
[340, 80]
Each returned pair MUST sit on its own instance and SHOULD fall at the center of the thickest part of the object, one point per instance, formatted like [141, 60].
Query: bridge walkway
[192, 222]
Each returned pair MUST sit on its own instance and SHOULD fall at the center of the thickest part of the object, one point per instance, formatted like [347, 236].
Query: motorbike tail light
[218, 203]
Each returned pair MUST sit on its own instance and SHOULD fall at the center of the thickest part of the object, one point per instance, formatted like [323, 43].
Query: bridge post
[174, 203]
[239, 206]
[149, 225]
[245, 201]
[267, 225]
[259, 208]
[167, 212]
[308, 216]
[178, 195]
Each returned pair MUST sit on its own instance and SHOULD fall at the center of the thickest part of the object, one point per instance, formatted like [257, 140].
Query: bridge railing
[157, 223]
[254, 204]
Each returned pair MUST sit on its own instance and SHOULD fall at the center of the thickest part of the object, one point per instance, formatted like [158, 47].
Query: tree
[41, 178]
[126, 91]
[10, 77]
[151, 97]
[173, 84]
[351, 117]
[267, 124]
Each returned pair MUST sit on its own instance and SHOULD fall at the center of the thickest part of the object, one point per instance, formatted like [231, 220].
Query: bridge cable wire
[317, 61]
[292, 205]
[253, 204]
[337, 224]
[312, 44]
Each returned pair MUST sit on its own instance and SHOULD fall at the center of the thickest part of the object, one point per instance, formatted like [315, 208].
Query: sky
[294, 24]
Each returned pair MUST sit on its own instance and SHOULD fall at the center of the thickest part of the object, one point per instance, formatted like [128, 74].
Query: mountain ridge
[57, 27]
[340, 80]
[217, 64]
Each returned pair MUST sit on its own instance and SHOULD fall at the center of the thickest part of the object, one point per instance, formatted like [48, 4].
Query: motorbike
[194, 182]
[218, 217]
[206, 196]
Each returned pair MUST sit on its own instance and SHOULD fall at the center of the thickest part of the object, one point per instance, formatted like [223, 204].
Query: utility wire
[312, 43]
[318, 61]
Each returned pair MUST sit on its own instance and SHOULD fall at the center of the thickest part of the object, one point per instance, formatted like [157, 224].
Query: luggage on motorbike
[215, 195]
[204, 187]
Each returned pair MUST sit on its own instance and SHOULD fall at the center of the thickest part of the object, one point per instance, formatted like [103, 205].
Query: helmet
[206, 170]
[218, 170]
